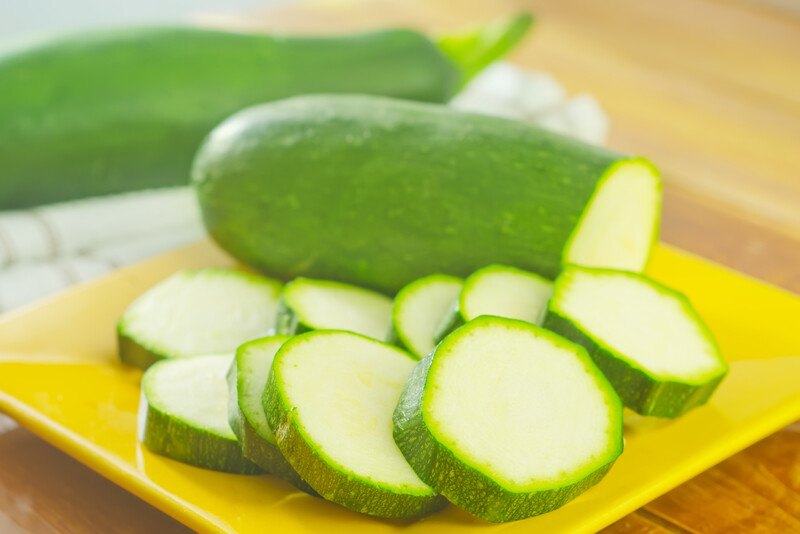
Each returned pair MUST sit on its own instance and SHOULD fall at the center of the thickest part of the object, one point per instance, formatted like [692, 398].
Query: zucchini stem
[474, 50]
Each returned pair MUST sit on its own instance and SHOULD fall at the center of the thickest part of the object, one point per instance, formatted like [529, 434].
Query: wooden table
[709, 90]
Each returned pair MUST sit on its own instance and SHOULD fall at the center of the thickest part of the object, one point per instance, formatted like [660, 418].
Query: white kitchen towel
[46, 249]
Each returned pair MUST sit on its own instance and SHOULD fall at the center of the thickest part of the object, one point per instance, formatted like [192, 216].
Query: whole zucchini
[378, 192]
[122, 110]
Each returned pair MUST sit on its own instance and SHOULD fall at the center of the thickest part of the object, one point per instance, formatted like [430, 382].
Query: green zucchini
[379, 192]
[508, 420]
[329, 399]
[120, 110]
[307, 304]
[418, 309]
[647, 339]
[196, 312]
[183, 414]
[502, 291]
[247, 378]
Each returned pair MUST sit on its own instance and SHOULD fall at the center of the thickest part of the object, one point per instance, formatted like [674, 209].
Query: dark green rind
[639, 391]
[254, 446]
[133, 353]
[121, 110]
[461, 483]
[350, 491]
[170, 437]
[398, 190]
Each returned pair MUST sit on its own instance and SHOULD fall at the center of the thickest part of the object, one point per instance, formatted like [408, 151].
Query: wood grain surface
[708, 89]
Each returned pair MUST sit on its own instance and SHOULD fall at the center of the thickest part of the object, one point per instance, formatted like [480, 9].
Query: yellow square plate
[59, 377]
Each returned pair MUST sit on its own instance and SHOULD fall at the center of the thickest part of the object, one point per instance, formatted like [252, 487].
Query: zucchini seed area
[192, 390]
[505, 292]
[518, 406]
[344, 389]
[206, 311]
[650, 327]
[619, 226]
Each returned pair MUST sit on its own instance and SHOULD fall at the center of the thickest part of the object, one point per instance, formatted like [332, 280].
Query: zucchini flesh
[647, 338]
[307, 304]
[374, 171]
[183, 414]
[502, 291]
[247, 378]
[196, 312]
[418, 308]
[330, 398]
[508, 420]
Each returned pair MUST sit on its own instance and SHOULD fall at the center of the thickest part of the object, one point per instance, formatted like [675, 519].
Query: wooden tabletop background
[707, 89]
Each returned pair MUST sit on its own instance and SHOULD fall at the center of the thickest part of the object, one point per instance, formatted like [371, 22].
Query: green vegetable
[329, 399]
[247, 378]
[120, 110]
[183, 414]
[379, 192]
[419, 308]
[307, 304]
[502, 291]
[508, 420]
[646, 338]
[197, 312]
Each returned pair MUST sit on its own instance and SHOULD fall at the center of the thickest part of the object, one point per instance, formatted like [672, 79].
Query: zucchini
[418, 309]
[399, 190]
[508, 420]
[307, 304]
[502, 291]
[329, 399]
[182, 414]
[247, 378]
[646, 338]
[113, 111]
[196, 312]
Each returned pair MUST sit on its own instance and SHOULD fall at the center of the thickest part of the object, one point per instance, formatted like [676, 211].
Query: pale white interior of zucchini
[517, 406]
[255, 363]
[330, 305]
[651, 328]
[345, 389]
[506, 292]
[206, 311]
[618, 228]
[420, 307]
[193, 390]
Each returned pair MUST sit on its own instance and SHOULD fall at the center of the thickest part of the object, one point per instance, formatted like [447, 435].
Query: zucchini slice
[329, 399]
[196, 312]
[308, 304]
[418, 309]
[183, 414]
[247, 378]
[508, 420]
[502, 291]
[646, 338]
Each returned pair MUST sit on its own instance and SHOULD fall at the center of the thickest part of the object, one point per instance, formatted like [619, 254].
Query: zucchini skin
[133, 353]
[170, 437]
[642, 393]
[254, 447]
[398, 190]
[471, 490]
[288, 322]
[115, 111]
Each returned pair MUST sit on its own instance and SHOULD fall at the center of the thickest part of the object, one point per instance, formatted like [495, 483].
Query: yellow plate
[59, 377]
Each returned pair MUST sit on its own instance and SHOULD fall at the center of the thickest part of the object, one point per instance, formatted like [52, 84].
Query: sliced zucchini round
[647, 339]
[247, 378]
[418, 310]
[307, 304]
[183, 414]
[329, 399]
[502, 291]
[508, 420]
[196, 312]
